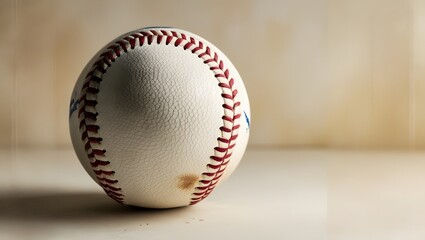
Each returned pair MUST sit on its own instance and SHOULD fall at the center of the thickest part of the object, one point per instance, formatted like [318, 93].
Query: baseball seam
[87, 113]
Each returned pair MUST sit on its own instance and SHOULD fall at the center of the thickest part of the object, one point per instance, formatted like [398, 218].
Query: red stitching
[223, 140]
[87, 112]
[108, 180]
[98, 163]
[110, 187]
[108, 173]
[225, 129]
[89, 134]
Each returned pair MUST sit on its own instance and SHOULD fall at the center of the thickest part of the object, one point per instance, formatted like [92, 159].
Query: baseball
[159, 117]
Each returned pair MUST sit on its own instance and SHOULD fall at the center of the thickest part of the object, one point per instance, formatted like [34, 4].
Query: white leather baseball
[158, 117]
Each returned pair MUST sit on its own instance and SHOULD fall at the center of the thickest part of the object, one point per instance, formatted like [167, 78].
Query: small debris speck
[201, 220]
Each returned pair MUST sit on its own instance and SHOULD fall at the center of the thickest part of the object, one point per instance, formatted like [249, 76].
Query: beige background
[335, 73]
[320, 74]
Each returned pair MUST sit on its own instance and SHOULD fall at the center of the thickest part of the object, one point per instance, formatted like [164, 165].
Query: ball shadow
[80, 206]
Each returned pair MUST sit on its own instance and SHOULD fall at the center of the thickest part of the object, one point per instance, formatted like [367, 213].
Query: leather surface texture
[159, 112]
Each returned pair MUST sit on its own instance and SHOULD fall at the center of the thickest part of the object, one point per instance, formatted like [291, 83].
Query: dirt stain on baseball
[188, 181]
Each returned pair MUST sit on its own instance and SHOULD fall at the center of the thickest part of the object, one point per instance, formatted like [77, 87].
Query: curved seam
[88, 114]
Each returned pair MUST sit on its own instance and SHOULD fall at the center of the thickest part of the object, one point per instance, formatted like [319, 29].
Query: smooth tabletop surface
[273, 194]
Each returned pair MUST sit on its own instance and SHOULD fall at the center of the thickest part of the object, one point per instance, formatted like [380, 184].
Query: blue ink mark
[73, 106]
[247, 119]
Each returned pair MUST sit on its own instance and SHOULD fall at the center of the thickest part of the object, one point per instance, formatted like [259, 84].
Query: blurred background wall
[320, 73]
